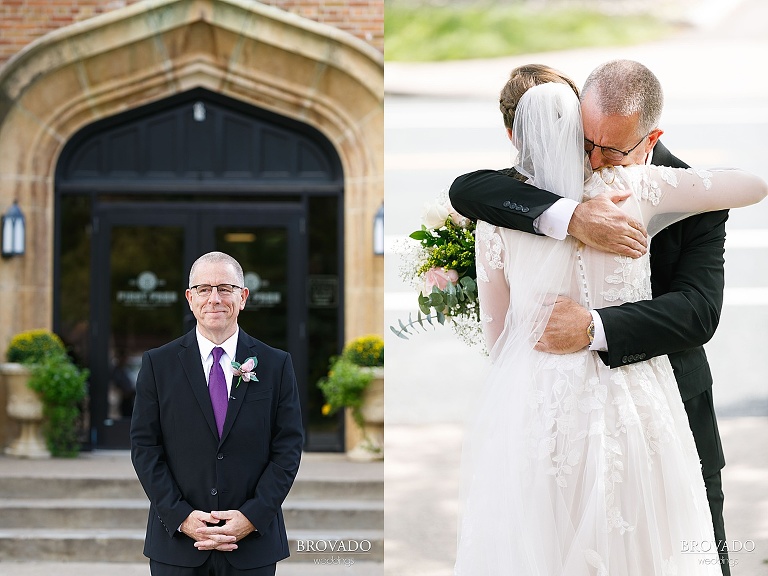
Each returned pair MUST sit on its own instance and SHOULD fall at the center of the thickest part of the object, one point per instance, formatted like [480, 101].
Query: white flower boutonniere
[245, 370]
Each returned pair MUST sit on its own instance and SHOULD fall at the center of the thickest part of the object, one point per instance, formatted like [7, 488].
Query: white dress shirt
[206, 356]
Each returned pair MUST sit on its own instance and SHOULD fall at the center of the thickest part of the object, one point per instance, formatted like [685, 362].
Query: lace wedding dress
[571, 468]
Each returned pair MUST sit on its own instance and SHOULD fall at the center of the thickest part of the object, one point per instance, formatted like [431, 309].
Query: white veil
[549, 136]
[497, 461]
[548, 133]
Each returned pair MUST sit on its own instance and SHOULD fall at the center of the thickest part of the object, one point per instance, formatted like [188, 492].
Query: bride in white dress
[571, 468]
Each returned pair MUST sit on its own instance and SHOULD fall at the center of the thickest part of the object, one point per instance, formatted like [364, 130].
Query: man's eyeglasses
[224, 290]
[611, 153]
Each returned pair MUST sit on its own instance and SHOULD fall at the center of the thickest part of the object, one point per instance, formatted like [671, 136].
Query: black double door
[141, 260]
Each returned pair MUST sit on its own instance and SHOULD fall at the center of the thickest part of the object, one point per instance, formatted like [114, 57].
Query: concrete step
[92, 510]
[320, 547]
[89, 487]
[338, 488]
[74, 513]
[359, 568]
[70, 487]
[334, 514]
[124, 513]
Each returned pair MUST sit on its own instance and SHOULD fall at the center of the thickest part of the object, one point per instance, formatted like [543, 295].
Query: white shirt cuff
[554, 221]
[600, 343]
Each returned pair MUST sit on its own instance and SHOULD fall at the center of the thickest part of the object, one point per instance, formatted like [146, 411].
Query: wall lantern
[14, 232]
[378, 232]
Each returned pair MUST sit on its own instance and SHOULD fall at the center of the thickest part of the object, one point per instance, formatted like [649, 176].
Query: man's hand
[599, 223]
[236, 527]
[566, 330]
[198, 521]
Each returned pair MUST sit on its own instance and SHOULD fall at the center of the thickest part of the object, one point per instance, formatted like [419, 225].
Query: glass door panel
[269, 243]
[263, 254]
[141, 276]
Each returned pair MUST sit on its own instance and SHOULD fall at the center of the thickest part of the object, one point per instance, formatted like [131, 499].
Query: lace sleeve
[671, 194]
[492, 285]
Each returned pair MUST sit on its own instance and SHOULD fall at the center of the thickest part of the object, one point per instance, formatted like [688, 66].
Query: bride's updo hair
[521, 79]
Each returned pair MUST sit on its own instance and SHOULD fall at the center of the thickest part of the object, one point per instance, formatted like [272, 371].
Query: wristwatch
[591, 332]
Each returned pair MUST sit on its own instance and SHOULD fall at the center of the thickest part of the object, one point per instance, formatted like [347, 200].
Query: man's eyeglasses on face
[611, 153]
[224, 290]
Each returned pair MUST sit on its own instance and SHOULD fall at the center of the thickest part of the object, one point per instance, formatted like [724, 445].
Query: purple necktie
[217, 388]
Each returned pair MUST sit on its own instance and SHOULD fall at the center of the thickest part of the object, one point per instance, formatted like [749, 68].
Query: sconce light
[14, 232]
[378, 232]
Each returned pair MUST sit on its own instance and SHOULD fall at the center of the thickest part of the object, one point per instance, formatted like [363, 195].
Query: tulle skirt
[572, 469]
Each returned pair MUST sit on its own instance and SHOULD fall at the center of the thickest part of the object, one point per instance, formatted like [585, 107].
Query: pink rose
[245, 370]
[440, 277]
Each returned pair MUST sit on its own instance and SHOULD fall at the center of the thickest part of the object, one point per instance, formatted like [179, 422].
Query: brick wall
[22, 21]
[362, 18]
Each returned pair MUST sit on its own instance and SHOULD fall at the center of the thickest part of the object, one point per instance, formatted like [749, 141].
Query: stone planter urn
[370, 444]
[24, 406]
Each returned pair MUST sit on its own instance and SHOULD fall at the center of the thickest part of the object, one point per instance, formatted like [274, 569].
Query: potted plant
[43, 385]
[25, 405]
[355, 382]
[62, 387]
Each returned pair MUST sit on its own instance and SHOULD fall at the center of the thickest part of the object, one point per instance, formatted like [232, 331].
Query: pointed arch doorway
[140, 195]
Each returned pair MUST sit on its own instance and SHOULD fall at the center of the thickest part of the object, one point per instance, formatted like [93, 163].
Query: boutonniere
[245, 370]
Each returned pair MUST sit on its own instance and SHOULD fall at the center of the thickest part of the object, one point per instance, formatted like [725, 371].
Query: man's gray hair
[217, 257]
[624, 88]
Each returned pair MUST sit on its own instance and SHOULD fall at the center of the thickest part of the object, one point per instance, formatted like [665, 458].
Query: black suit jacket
[183, 466]
[687, 278]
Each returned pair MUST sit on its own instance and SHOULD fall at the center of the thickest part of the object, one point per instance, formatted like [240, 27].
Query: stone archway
[157, 48]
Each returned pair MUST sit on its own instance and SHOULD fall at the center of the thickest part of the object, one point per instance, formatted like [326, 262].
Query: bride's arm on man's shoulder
[695, 190]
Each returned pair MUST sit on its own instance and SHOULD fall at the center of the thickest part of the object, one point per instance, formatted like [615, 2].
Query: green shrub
[365, 351]
[62, 387]
[33, 346]
[344, 387]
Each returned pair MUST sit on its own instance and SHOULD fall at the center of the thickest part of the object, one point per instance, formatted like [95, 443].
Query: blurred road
[442, 120]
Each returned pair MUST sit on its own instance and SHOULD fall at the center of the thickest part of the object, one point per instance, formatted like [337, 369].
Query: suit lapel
[237, 394]
[193, 369]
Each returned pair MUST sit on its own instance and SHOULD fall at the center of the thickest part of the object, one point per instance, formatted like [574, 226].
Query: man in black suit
[215, 452]
[621, 106]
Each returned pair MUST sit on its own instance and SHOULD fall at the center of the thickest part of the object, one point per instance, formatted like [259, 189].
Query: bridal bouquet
[441, 265]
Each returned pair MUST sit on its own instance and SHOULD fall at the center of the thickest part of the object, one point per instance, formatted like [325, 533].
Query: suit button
[624, 359]
[219, 456]
[526, 209]
[642, 356]
[214, 491]
[506, 204]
